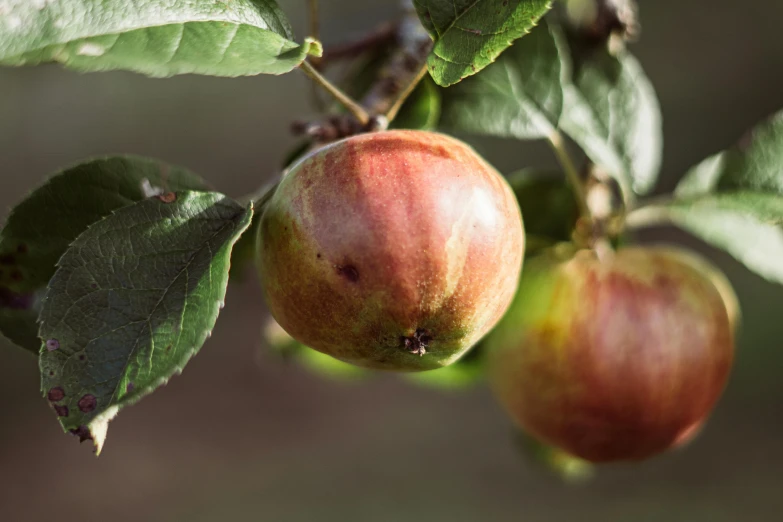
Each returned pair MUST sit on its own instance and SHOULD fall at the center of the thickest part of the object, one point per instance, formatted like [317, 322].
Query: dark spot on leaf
[16, 275]
[56, 394]
[51, 373]
[417, 343]
[349, 272]
[168, 348]
[94, 285]
[21, 248]
[9, 299]
[52, 344]
[88, 403]
[82, 357]
[318, 256]
[168, 197]
[129, 387]
[62, 411]
[7, 259]
[83, 433]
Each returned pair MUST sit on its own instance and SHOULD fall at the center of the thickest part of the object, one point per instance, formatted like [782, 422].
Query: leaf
[471, 34]
[748, 225]
[155, 37]
[422, 108]
[549, 209]
[733, 201]
[133, 299]
[612, 112]
[761, 164]
[755, 164]
[40, 229]
[519, 96]
[704, 177]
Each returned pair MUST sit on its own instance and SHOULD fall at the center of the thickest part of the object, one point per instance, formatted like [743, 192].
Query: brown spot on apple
[350, 272]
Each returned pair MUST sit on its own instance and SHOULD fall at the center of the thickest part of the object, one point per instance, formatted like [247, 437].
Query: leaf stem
[345, 100]
[558, 146]
[395, 108]
[647, 216]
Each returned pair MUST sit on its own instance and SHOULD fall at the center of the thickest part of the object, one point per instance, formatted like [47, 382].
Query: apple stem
[342, 98]
[559, 147]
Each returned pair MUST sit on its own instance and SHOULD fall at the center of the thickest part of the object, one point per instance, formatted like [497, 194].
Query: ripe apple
[392, 250]
[613, 359]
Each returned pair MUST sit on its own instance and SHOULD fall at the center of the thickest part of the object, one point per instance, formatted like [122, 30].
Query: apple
[393, 250]
[613, 359]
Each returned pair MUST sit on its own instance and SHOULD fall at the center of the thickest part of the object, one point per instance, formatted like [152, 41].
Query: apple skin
[615, 359]
[393, 250]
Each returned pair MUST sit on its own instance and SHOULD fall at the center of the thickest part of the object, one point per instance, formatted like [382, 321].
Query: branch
[383, 34]
[404, 69]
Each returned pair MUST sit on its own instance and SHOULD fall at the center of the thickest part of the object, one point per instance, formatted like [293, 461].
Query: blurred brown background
[241, 437]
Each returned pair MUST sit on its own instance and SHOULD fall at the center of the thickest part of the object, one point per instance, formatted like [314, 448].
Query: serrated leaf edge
[98, 426]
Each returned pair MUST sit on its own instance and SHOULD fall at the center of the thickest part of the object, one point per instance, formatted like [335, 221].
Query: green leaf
[705, 177]
[471, 34]
[733, 201]
[40, 229]
[755, 164]
[422, 108]
[519, 96]
[548, 206]
[155, 37]
[612, 112]
[761, 166]
[748, 225]
[133, 299]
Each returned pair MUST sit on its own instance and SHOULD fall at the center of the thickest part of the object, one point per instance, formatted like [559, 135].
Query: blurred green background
[240, 436]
